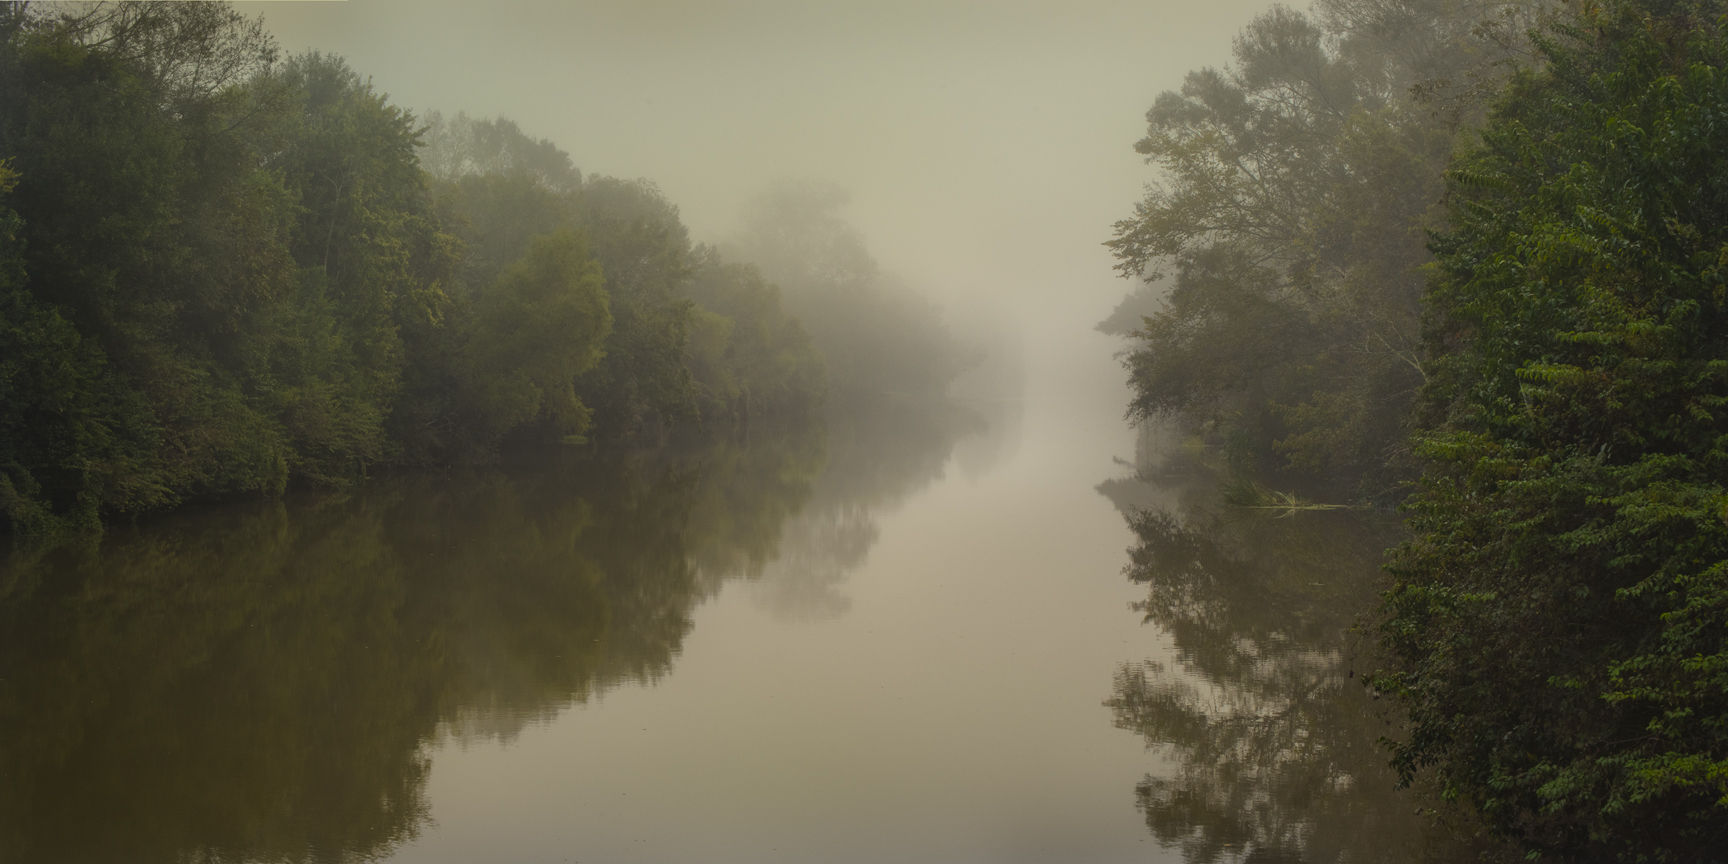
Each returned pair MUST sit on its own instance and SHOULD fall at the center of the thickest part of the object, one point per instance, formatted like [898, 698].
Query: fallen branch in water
[1248, 495]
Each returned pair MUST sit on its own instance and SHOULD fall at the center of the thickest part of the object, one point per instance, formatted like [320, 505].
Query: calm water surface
[914, 633]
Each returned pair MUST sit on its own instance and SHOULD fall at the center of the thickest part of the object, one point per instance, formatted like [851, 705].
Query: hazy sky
[987, 145]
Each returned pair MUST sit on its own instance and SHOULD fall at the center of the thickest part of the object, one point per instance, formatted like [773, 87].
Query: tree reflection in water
[1273, 747]
[880, 451]
[262, 682]
[266, 681]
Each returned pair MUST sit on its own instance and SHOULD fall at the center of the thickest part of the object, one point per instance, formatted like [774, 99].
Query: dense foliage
[1280, 246]
[223, 273]
[1558, 625]
[692, 336]
[1560, 621]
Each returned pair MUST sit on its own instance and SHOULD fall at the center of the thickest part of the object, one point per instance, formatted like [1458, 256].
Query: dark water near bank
[902, 635]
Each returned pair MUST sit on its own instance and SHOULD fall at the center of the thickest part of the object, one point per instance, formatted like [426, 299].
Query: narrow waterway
[911, 633]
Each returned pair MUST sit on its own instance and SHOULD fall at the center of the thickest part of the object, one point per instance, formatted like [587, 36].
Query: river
[910, 633]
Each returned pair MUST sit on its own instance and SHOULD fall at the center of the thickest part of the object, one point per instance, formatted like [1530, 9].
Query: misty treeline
[225, 272]
[1476, 258]
[876, 333]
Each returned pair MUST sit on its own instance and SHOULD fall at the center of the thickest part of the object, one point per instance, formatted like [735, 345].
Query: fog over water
[987, 146]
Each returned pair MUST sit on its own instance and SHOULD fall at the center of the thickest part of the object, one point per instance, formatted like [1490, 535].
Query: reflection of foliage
[237, 687]
[880, 450]
[734, 540]
[1276, 746]
[261, 682]
[818, 550]
[883, 449]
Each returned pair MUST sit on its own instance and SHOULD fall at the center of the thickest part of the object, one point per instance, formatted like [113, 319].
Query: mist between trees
[1470, 257]
[225, 273]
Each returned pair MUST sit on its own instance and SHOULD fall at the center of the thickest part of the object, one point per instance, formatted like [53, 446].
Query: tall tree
[746, 353]
[374, 261]
[542, 324]
[642, 385]
[1294, 189]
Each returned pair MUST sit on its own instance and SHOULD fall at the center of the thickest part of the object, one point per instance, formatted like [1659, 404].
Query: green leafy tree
[48, 375]
[224, 273]
[541, 325]
[690, 337]
[219, 266]
[1560, 621]
[461, 146]
[374, 265]
[642, 386]
[495, 217]
[745, 352]
[1281, 244]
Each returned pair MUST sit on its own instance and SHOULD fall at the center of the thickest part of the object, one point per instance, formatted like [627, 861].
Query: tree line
[224, 272]
[1470, 259]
